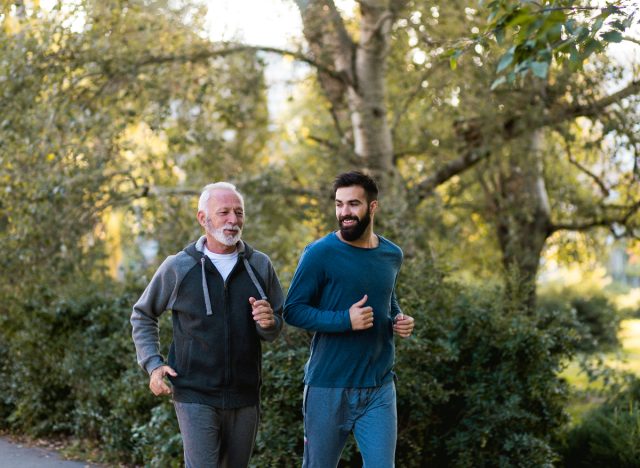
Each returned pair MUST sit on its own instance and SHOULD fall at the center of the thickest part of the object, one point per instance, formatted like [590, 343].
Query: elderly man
[225, 298]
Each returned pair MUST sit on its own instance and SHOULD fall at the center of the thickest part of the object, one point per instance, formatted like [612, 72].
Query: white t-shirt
[224, 263]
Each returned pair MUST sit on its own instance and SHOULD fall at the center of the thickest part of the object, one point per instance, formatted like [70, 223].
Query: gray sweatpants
[216, 438]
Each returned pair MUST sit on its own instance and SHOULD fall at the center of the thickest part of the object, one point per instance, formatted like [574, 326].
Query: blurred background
[504, 136]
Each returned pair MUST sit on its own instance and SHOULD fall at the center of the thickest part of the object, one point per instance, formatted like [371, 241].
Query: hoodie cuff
[153, 364]
[270, 334]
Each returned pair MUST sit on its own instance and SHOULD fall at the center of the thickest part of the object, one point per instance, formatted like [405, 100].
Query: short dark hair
[349, 179]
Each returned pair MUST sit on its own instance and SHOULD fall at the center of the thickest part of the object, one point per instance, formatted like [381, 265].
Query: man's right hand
[157, 383]
[361, 317]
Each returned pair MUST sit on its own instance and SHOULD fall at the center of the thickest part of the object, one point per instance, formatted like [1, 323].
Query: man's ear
[373, 206]
[202, 218]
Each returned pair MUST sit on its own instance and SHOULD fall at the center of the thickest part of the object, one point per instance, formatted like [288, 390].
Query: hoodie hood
[196, 249]
[245, 251]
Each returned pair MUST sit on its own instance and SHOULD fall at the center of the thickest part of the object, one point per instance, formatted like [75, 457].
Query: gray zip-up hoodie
[216, 349]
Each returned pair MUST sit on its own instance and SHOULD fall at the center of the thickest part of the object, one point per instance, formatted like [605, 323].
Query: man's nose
[345, 211]
[232, 218]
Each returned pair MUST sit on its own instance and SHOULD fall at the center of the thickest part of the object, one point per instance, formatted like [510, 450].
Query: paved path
[16, 455]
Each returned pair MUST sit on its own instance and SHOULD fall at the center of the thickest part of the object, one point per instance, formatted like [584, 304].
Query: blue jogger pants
[330, 414]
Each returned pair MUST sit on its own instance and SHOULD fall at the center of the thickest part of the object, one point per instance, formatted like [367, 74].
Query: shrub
[609, 435]
[280, 435]
[478, 383]
[598, 321]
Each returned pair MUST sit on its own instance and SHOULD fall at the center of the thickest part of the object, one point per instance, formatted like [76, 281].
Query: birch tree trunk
[357, 98]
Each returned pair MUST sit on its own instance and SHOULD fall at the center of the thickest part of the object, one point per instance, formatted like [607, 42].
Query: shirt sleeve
[395, 306]
[144, 318]
[301, 307]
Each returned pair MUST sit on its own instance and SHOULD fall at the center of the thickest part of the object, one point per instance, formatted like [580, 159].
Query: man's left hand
[262, 313]
[403, 325]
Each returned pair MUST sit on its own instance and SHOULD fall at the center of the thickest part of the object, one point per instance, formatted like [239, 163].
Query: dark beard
[355, 232]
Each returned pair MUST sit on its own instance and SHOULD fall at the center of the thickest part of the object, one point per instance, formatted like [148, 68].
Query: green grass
[588, 394]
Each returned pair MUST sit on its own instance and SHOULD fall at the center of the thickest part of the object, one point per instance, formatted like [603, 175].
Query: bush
[280, 435]
[477, 383]
[598, 321]
[70, 370]
[609, 435]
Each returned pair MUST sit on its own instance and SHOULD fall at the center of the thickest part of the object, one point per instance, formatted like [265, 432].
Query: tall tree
[508, 128]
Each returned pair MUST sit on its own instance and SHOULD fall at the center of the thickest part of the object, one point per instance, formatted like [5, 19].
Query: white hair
[206, 193]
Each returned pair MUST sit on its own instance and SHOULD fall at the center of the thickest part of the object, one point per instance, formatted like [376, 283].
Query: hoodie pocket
[183, 357]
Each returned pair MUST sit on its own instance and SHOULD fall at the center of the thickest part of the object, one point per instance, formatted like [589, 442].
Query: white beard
[219, 235]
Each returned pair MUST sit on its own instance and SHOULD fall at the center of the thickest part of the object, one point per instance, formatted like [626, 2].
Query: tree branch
[324, 142]
[212, 53]
[594, 108]
[328, 38]
[453, 168]
[604, 221]
[599, 182]
[407, 102]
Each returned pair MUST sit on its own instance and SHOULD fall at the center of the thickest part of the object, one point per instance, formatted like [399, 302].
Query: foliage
[538, 32]
[475, 368]
[487, 393]
[279, 441]
[597, 319]
[111, 125]
[609, 435]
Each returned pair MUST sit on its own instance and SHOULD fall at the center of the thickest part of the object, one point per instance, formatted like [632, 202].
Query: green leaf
[591, 46]
[545, 55]
[597, 23]
[497, 82]
[570, 26]
[581, 34]
[522, 18]
[539, 69]
[617, 24]
[575, 62]
[612, 36]
[505, 60]
[522, 66]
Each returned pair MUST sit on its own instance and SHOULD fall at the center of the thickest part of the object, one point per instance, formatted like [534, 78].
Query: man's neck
[218, 247]
[368, 240]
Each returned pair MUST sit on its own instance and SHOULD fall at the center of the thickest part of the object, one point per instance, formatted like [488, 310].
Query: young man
[224, 298]
[344, 291]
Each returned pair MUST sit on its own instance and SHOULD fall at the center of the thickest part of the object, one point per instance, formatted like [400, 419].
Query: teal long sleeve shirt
[331, 276]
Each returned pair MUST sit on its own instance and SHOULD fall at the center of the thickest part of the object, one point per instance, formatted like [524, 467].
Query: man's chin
[229, 241]
[350, 234]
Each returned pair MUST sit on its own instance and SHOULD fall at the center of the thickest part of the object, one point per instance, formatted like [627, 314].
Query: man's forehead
[226, 198]
[353, 192]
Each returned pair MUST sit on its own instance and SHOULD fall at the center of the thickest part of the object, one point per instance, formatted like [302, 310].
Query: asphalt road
[16, 455]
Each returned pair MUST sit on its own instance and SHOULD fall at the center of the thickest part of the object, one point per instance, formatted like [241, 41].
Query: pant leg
[326, 426]
[239, 429]
[376, 429]
[200, 426]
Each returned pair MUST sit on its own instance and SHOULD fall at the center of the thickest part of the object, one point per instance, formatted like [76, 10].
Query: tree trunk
[523, 220]
[358, 99]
